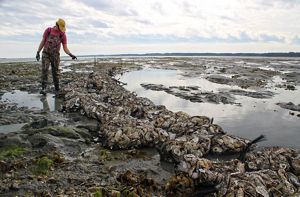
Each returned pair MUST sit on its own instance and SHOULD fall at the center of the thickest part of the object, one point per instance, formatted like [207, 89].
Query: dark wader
[51, 56]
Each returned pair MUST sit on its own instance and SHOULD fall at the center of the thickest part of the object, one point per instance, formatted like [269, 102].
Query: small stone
[292, 113]
[39, 178]
[8, 175]
[71, 191]
[52, 180]
[4, 167]
[47, 195]
[15, 185]
[31, 177]
[112, 168]
[290, 87]
[94, 189]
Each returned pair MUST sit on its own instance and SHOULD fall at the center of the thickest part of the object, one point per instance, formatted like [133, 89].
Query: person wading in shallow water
[52, 39]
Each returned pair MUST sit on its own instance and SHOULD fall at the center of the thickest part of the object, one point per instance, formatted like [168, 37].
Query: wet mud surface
[101, 139]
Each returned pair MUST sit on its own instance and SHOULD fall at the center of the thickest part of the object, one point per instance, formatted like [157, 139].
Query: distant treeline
[290, 54]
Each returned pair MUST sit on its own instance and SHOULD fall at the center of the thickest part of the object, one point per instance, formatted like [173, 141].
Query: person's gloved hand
[38, 57]
[73, 56]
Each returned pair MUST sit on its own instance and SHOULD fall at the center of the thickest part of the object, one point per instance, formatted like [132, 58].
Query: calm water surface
[24, 99]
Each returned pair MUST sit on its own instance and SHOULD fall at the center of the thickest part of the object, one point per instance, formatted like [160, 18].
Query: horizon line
[257, 54]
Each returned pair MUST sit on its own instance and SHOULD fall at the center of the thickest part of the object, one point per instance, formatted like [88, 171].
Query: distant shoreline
[277, 54]
[290, 54]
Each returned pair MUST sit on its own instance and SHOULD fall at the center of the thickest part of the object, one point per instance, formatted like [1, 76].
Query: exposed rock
[219, 79]
[290, 106]
[14, 139]
[193, 93]
[258, 94]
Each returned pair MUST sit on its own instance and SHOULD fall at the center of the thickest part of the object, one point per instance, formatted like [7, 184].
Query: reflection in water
[57, 103]
[254, 117]
[11, 128]
[45, 103]
[24, 99]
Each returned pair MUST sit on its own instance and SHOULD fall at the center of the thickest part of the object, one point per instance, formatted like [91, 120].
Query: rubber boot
[43, 91]
[58, 93]
[56, 87]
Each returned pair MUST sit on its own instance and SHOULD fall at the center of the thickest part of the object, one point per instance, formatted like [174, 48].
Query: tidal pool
[252, 118]
[11, 128]
[24, 99]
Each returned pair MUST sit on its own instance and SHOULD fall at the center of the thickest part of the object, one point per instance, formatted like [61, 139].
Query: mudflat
[105, 137]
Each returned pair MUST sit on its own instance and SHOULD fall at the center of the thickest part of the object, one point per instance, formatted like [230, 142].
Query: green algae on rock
[11, 152]
[42, 166]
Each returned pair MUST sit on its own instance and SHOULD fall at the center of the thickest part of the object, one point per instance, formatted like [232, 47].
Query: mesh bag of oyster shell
[200, 170]
[295, 164]
[233, 166]
[72, 101]
[181, 123]
[259, 183]
[276, 183]
[125, 132]
[114, 93]
[192, 164]
[87, 105]
[174, 150]
[273, 158]
[172, 122]
[184, 124]
[107, 97]
[163, 120]
[228, 144]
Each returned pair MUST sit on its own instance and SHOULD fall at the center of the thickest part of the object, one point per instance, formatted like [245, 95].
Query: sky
[148, 26]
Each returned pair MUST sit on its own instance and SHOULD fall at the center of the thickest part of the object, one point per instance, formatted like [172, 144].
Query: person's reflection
[57, 103]
[46, 107]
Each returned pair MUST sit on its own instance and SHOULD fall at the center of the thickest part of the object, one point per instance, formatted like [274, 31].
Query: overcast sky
[144, 26]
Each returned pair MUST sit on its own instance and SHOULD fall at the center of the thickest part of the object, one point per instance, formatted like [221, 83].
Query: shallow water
[254, 117]
[11, 128]
[24, 99]
[143, 159]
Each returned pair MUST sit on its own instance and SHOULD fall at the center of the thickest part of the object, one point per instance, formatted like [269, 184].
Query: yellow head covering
[61, 24]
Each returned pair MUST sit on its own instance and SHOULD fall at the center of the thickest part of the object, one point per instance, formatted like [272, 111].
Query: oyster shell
[273, 158]
[228, 144]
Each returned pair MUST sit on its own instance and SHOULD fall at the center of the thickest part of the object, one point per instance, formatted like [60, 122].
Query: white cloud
[135, 23]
